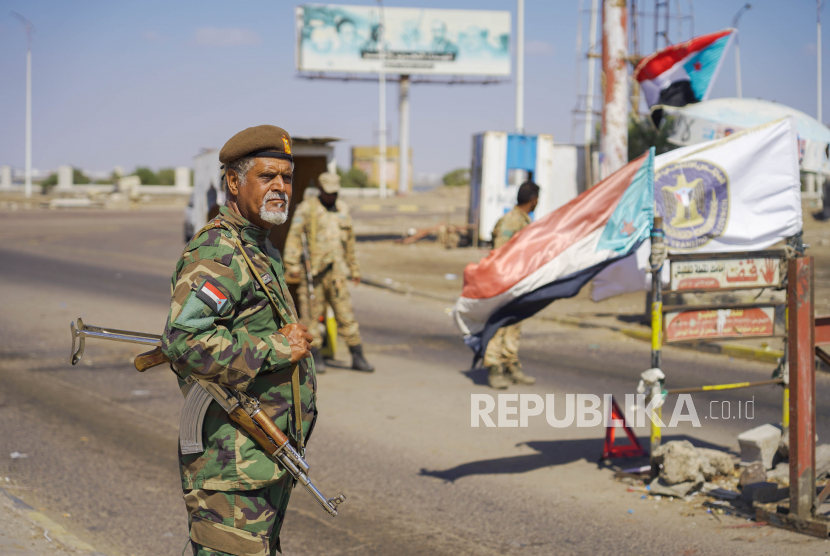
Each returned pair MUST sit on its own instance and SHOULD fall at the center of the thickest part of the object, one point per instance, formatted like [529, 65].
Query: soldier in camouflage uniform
[502, 355]
[327, 227]
[221, 328]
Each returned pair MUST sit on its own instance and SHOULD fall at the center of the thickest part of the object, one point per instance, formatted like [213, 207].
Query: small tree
[353, 177]
[642, 135]
[460, 176]
[79, 177]
[167, 176]
[147, 176]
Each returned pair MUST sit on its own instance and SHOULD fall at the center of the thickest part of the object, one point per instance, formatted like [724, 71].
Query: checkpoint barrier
[716, 296]
[780, 313]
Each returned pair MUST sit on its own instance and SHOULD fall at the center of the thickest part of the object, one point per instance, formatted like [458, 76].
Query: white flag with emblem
[739, 193]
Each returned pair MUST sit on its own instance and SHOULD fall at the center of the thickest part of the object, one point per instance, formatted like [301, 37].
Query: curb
[736, 351]
[56, 531]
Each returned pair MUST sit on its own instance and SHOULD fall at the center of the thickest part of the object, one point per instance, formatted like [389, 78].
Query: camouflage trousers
[503, 348]
[329, 288]
[238, 523]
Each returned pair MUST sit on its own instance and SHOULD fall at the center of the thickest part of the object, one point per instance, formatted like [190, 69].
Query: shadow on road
[550, 453]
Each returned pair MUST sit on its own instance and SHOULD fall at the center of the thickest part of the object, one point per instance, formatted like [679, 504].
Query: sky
[151, 83]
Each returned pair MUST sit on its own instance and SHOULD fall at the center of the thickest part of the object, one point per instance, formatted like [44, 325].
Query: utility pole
[735, 20]
[589, 96]
[403, 135]
[382, 103]
[28, 172]
[520, 66]
[614, 141]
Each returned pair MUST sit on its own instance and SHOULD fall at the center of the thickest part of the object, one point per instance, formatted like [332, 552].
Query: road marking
[370, 208]
[408, 208]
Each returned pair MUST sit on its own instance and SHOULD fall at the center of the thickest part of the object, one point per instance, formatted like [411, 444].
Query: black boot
[359, 362]
[319, 363]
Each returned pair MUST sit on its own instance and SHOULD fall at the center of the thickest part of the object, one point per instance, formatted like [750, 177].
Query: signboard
[714, 324]
[725, 274]
[336, 38]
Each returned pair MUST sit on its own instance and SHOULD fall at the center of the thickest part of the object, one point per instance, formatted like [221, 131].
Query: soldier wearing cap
[233, 322]
[327, 227]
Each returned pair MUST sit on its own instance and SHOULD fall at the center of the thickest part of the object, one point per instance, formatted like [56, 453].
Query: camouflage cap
[262, 140]
[329, 182]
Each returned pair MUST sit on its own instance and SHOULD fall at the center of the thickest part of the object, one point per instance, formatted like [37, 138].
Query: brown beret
[262, 140]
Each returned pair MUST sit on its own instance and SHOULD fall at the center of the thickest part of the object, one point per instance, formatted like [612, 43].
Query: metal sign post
[656, 323]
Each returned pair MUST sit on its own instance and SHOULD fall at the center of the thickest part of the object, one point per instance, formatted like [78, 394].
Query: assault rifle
[241, 408]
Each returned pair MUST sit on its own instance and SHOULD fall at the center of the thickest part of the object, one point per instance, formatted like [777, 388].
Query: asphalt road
[100, 438]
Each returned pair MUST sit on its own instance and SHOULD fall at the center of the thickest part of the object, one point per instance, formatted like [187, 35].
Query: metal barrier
[790, 316]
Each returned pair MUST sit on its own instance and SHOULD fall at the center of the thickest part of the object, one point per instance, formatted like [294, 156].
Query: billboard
[336, 38]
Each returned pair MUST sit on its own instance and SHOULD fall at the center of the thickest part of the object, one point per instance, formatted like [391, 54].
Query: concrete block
[753, 473]
[759, 444]
[680, 462]
[822, 460]
[659, 487]
[715, 462]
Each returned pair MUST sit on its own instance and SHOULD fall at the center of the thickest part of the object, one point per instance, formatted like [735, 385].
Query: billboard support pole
[382, 106]
[520, 66]
[403, 135]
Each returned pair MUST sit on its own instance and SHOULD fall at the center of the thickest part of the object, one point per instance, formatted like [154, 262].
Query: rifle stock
[150, 359]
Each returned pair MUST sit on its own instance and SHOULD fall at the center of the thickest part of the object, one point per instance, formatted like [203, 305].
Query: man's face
[328, 199]
[534, 202]
[266, 195]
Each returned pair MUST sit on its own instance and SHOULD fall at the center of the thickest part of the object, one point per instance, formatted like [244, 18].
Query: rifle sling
[295, 371]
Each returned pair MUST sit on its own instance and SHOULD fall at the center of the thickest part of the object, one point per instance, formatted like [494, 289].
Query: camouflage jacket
[330, 239]
[222, 328]
[509, 225]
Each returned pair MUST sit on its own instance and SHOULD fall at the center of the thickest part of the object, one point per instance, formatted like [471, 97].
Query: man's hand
[355, 280]
[292, 276]
[299, 339]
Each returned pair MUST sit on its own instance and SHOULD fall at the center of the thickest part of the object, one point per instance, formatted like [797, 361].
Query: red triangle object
[632, 450]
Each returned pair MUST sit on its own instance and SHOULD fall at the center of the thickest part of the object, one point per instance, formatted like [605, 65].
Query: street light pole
[735, 19]
[819, 5]
[28, 168]
[520, 66]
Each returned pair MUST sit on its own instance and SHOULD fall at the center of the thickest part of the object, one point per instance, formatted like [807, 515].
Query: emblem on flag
[212, 296]
[693, 201]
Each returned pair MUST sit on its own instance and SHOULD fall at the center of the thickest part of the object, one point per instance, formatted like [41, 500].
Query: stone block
[659, 487]
[759, 444]
[716, 462]
[753, 473]
[680, 462]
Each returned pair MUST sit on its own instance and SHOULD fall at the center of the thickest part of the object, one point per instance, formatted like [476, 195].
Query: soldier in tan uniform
[326, 226]
[502, 355]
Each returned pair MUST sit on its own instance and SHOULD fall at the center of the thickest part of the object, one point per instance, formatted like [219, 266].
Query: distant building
[367, 160]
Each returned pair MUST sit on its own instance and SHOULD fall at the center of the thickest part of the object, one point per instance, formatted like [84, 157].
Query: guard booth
[312, 157]
[502, 161]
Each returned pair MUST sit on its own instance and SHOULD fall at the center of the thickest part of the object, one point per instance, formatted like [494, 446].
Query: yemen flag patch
[212, 296]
